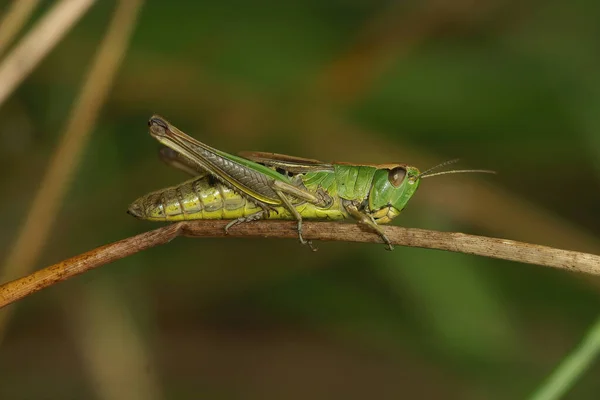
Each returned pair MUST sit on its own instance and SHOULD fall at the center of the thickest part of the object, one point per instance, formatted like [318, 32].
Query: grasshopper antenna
[427, 173]
[453, 161]
[459, 171]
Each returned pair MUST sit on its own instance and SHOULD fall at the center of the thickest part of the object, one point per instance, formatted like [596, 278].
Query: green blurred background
[504, 85]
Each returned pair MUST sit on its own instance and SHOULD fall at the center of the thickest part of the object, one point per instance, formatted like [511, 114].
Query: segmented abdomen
[200, 198]
[206, 198]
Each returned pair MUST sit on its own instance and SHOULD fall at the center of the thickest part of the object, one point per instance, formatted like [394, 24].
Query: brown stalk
[329, 231]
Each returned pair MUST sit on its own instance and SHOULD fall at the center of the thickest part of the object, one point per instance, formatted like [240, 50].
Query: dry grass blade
[42, 38]
[117, 360]
[449, 241]
[53, 186]
[102, 323]
[14, 20]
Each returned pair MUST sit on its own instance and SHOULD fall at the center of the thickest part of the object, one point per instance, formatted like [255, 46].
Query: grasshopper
[260, 185]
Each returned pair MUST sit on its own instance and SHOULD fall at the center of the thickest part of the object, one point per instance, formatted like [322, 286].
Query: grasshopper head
[392, 187]
[159, 127]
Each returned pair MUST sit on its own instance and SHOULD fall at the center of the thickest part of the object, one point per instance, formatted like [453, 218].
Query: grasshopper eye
[396, 176]
[157, 121]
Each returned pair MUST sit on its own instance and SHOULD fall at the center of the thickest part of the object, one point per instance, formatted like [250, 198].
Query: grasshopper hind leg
[265, 212]
[298, 218]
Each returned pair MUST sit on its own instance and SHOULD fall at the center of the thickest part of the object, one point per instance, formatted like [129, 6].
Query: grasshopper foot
[302, 240]
[389, 246]
[387, 241]
[309, 243]
[252, 217]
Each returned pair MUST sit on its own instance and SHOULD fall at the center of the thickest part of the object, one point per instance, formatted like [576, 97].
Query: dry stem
[450, 241]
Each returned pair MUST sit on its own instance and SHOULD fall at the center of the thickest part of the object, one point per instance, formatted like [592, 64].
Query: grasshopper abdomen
[199, 198]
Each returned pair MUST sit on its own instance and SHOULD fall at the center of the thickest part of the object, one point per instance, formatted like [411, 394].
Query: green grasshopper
[258, 185]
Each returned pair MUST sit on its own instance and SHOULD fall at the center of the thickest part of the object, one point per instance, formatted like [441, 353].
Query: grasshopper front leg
[367, 220]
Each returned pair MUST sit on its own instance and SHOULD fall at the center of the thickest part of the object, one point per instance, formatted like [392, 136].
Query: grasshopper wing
[295, 165]
[179, 161]
[248, 177]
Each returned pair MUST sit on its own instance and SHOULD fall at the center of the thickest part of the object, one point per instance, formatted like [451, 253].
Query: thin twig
[38, 42]
[450, 241]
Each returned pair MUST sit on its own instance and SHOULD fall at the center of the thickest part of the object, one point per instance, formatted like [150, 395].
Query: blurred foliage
[511, 86]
